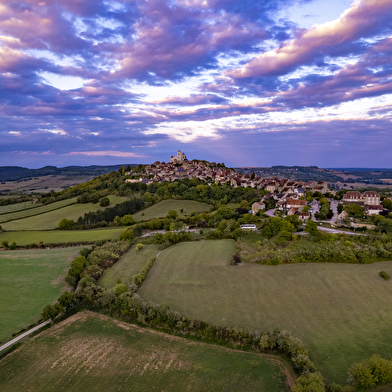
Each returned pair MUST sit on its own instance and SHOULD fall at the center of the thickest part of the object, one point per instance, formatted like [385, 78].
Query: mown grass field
[342, 312]
[91, 352]
[36, 210]
[29, 280]
[50, 220]
[22, 238]
[17, 207]
[160, 210]
[128, 265]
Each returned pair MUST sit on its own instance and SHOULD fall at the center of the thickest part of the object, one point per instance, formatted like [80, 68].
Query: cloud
[118, 154]
[364, 18]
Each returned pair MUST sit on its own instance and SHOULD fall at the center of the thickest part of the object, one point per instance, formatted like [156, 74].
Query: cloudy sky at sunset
[246, 82]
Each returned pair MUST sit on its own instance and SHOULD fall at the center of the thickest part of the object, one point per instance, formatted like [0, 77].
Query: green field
[22, 238]
[50, 220]
[17, 207]
[128, 265]
[91, 352]
[342, 312]
[29, 280]
[160, 210]
[37, 210]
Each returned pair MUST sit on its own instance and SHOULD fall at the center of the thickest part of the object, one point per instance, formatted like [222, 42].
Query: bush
[370, 373]
[104, 202]
[13, 246]
[66, 224]
[310, 382]
[52, 311]
[384, 275]
[85, 252]
[139, 247]
[126, 220]
[127, 235]
[5, 245]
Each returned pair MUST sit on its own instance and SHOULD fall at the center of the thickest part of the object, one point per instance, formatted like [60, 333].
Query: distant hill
[14, 173]
[314, 173]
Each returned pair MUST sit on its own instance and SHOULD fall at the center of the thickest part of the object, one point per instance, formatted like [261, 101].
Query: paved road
[271, 212]
[339, 231]
[11, 342]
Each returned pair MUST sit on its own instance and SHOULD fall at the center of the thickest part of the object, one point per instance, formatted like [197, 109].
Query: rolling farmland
[341, 311]
[91, 352]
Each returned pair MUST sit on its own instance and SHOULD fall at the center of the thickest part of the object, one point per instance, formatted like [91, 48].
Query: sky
[248, 83]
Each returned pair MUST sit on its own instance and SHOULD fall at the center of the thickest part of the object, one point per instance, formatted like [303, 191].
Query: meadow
[36, 210]
[23, 238]
[30, 280]
[128, 265]
[160, 210]
[17, 207]
[341, 311]
[50, 220]
[91, 352]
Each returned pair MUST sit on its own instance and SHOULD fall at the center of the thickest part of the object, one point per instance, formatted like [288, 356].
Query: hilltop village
[290, 196]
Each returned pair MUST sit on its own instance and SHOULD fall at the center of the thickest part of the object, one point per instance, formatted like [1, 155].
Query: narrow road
[270, 212]
[11, 342]
[338, 231]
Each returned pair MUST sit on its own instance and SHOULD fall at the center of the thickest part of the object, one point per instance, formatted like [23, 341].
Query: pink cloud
[361, 19]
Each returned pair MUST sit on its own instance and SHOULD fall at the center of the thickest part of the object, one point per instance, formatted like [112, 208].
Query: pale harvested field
[91, 352]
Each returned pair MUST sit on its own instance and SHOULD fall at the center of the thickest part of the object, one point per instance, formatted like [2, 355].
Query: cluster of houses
[179, 168]
[370, 200]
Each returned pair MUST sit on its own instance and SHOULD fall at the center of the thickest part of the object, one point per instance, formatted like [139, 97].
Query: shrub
[52, 311]
[104, 202]
[66, 224]
[310, 382]
[126, 220]
[13, 246]
[370, 373]
[85, 252]
[384, 275]
[139, 247]
[5, 245]
[66, 299]
[120, 288]
[127, 235]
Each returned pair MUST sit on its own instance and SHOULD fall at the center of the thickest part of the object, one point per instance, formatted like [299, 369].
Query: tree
[127, 235]
[354, 210]
[340, 208]
[66, 299]
[311, 227]
[387, 203]
[310, 382]
[52, 311]
[252, 176]
[66, 224]
[5, 245]
[104, 202]
[126, 220]
[172, 214]
[120, 288]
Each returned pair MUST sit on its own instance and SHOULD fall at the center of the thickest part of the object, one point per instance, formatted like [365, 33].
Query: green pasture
[29, 280]
[89, 352]
[22, 238]
[128, 265]
[342, 312]
[17, 207]
[36, 210]
[50, 220]
[160, 210]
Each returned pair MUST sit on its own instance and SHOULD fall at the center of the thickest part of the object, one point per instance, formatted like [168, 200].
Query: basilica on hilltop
[179, 158]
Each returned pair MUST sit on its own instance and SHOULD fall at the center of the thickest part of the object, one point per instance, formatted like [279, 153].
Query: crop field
[50, 220]
[36, 210]
[23, 238]
[160, 210]
[29, 280]
[42, 184]
[91, 352]
[17, 207]
[342, 312]
[128, 265]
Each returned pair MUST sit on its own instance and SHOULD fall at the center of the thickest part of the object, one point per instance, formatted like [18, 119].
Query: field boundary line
[13, 341]
[29, 209]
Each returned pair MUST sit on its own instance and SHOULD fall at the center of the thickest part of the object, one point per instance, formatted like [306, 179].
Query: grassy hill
[160, 210]
[341, 311]
[91, 352]
[29, 280]
[50, 220]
